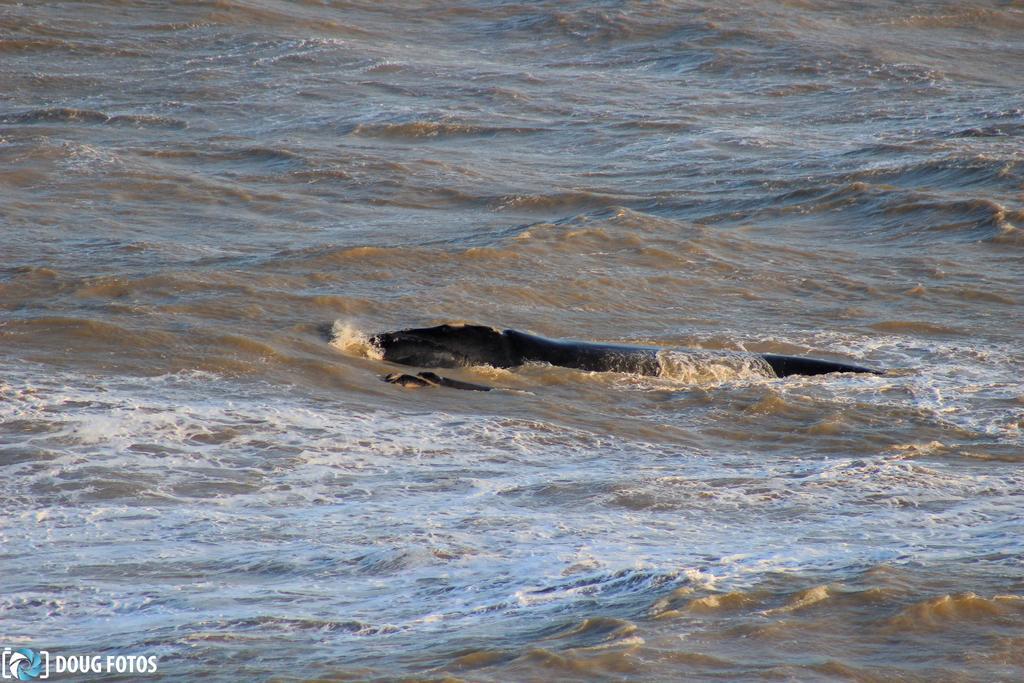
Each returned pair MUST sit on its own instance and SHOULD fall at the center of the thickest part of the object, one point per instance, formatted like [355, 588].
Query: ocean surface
[206, 208]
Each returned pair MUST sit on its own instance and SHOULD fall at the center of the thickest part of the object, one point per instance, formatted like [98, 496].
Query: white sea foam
[705, 367]
[504, 509]
[348, 338]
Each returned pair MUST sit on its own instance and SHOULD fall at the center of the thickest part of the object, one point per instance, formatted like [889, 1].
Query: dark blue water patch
[954, 172]
[998, 130]
[906, 201]
[959, 220]
[216, 157]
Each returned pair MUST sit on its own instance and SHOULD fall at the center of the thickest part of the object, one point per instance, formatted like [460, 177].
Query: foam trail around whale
[696, 367]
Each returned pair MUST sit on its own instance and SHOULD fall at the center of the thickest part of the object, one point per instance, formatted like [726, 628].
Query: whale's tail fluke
[785, 366]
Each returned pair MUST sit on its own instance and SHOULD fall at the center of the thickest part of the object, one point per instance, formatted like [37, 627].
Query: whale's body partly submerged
[451, 346]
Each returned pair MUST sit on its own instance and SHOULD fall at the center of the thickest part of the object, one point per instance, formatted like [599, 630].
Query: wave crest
[348, 339]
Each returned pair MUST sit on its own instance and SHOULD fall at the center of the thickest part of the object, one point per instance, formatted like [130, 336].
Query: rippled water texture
[207, 207]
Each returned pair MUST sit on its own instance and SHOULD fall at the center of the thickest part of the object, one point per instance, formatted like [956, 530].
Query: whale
[463, 345]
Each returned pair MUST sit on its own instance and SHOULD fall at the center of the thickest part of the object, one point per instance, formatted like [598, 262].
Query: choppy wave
[952, 611]
[72, 115]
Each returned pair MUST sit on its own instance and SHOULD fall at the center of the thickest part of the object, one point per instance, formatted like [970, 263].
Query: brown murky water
[206, 206]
